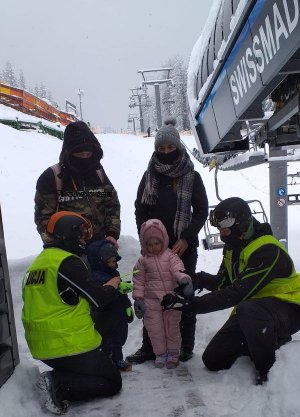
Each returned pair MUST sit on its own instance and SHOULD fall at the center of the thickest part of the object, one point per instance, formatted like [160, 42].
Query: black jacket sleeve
[199, 205]
[199, 210]
[141, 212]
[74, 280]
[266, 263]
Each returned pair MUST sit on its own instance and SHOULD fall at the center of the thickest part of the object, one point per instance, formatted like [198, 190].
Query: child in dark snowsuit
[103, 258]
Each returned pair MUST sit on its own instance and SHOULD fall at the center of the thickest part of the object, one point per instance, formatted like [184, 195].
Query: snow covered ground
[190, 390]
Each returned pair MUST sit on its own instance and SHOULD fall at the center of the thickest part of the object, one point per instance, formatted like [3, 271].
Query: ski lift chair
[213, 240]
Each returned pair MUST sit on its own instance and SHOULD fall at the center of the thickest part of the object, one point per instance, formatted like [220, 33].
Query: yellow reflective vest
[285, 288]
[53, 328]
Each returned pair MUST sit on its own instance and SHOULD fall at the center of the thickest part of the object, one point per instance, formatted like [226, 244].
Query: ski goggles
[223, 220]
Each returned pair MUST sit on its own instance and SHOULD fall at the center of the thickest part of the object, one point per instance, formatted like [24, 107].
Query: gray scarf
[183, 172]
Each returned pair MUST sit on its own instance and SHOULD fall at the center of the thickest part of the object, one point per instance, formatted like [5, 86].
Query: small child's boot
[172, 358]
[160, 360]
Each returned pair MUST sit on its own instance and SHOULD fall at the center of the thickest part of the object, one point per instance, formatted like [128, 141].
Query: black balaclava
[70, 245]
[84, 164]
[234, 240]
[78, 137]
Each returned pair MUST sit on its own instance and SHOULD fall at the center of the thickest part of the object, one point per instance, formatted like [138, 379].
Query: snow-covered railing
[30, 104]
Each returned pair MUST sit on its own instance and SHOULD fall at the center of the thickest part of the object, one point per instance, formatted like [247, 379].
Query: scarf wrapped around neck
[183, 172]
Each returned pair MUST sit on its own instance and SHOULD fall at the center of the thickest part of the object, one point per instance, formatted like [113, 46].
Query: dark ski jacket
[166, 206]
[265, 264]
[74, 280]
[101, 274]
[89, 193]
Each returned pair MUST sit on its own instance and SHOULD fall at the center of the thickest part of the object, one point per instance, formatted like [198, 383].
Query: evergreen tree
[42, 91]
[49, 96]
[8, 75]
[36, 90]
[174, 102]
[22, 83]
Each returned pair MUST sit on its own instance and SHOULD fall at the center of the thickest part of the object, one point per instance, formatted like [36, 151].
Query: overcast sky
[97, 46]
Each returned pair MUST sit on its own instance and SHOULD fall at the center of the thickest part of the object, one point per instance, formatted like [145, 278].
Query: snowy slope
[190, 390]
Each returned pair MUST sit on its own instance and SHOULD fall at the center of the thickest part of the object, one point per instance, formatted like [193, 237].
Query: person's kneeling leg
[225, 347]
[88, 375]
[267, 323]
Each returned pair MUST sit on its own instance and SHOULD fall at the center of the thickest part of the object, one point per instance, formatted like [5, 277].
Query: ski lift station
[243, 93]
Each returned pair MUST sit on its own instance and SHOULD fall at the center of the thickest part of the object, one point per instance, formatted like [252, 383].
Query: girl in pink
[160, 271]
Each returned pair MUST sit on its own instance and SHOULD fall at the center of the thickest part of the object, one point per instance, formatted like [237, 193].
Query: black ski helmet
[68, 225]
[231, 211]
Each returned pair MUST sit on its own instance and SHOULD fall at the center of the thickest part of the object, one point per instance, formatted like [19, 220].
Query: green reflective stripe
[53, 328]
[266, 270]
[228, 264]
[287, 288]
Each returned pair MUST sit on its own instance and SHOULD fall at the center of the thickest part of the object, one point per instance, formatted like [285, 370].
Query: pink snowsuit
[157, 276]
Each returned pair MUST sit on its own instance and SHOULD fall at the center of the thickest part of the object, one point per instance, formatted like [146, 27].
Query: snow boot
[49, 398]
[124, 366]
[261, 377]
[172, 359]
[185, 355]
[140, 356]
[160, 360]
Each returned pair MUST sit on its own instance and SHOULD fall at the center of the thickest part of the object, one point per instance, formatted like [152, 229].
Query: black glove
[197, 280]
[139, 308]
[184, 288]
[175, 302]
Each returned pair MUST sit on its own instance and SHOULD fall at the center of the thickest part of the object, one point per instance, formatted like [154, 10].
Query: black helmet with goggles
[229, 212]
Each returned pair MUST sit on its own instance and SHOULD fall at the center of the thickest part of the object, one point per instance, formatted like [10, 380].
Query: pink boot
[160, 360]
[172, 359]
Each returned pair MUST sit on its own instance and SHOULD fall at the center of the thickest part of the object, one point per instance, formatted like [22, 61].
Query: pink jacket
[158, 274]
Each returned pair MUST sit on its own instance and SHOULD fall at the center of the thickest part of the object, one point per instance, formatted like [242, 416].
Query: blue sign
[281, 191]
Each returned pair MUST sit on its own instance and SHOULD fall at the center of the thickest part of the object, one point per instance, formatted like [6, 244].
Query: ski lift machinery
[244, 95]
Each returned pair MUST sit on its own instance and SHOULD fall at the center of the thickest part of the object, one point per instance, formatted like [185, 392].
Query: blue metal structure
[260, 59]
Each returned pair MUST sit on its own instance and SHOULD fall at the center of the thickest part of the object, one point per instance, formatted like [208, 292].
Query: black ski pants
[85, 376]
[258, 329]
[188, 320]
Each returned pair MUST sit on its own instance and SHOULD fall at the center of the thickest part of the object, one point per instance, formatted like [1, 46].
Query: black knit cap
[79, 137]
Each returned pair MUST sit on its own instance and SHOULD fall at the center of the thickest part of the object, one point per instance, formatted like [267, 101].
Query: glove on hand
[196, 279]
[185, 288]
[129, 314]
[174, 302]
[139, 308]
[125, 287]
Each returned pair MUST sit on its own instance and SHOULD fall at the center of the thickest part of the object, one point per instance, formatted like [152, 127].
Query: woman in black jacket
[173, 192]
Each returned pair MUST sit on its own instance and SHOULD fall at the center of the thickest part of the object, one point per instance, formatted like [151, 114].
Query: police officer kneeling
[257, 277]
[57, 293]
